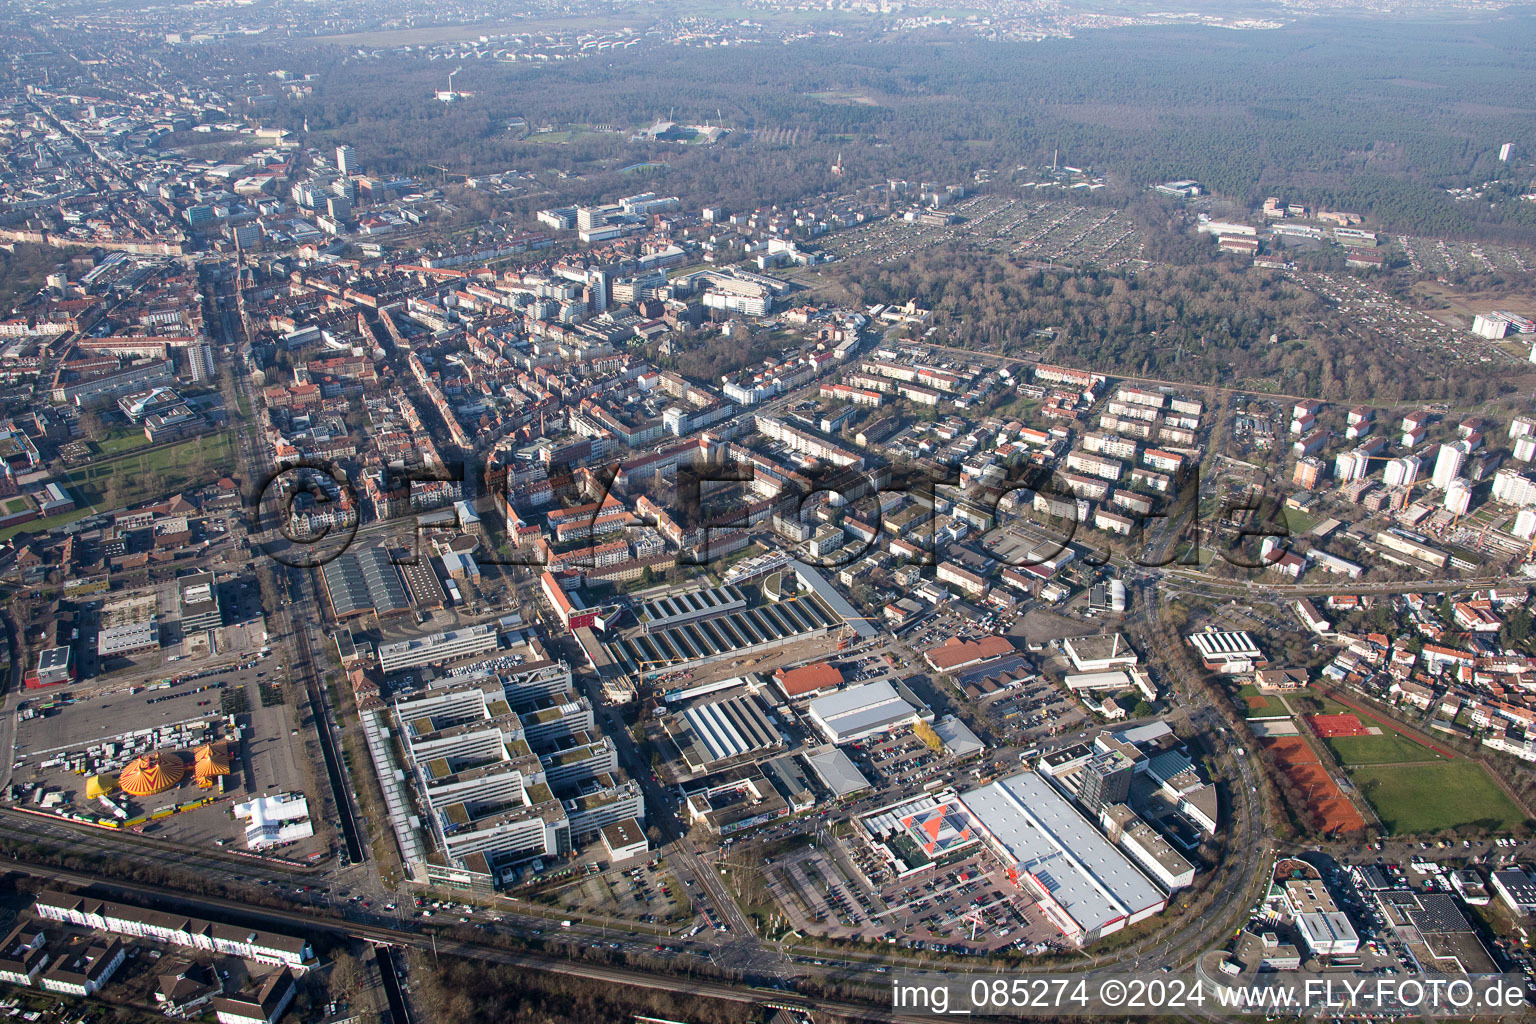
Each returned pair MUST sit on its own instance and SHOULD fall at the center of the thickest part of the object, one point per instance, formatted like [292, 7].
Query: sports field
[1388, 748]
[1329, 726]
[1256, 704]
[1333, 707]
[1429, 798]
[1296, 760]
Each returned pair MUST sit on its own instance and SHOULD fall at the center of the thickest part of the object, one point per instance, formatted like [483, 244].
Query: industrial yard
[171, 756]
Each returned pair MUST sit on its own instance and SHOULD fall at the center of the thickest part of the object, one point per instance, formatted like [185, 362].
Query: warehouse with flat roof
[861, 711]
[1081, 883]
[836, 771]
[1102, 652]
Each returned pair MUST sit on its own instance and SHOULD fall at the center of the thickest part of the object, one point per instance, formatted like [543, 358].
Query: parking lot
[85, 733]
[1033, 711]
[900, 759]
[968, 906]
[945, 624]
[632, 890]
[965, 907]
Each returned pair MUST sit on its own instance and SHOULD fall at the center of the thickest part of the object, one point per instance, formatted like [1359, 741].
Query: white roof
[1111, 679]
[1328, 932]
[1226, 646]
[842, 702]
[1034, 826]
[1151, 732]
[282, 807]
[860, 710]
[836, 770]
[958, 739]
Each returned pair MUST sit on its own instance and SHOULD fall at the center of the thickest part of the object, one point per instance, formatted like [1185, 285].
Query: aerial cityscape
[781, 512]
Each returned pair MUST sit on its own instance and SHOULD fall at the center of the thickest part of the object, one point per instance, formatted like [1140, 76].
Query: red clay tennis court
[1387, 723]
[1300, 765]
[1328, 726]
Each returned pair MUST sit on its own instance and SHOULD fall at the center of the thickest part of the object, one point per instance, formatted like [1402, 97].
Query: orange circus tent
[212, 760]
[151, 774]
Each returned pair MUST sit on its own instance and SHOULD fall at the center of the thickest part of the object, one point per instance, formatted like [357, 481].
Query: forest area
[23, 270]
[1209, 323]
[1323, 111]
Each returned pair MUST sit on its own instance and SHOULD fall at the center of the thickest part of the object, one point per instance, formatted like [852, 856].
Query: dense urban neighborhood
[481, 540]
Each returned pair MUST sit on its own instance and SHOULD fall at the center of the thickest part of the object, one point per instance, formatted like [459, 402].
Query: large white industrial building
[275, 820]
[861, 711]
[1082, 884]
[1231, 652]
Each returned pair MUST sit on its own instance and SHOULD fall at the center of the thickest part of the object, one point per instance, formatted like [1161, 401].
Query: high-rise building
[1458, 497]
[1106, 780]
[1448, 463]
[199, 597]
[199, 360]
[1308, 473]
[1403, 472]
[346, 160]
[1491, 327]
[1525, 524]
[1513, 488]
[1350, 466]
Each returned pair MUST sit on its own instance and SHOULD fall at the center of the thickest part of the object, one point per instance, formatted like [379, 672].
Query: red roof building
[955, 653]
[796, 682]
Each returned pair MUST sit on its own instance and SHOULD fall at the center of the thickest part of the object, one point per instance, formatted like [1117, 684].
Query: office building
[128, 639]
[482, 787]
[1106, 779]
[438, 648]
[198, 595]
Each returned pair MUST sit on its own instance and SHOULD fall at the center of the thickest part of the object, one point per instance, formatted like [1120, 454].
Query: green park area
[137, 475]
[120, 440]
[40, 526]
